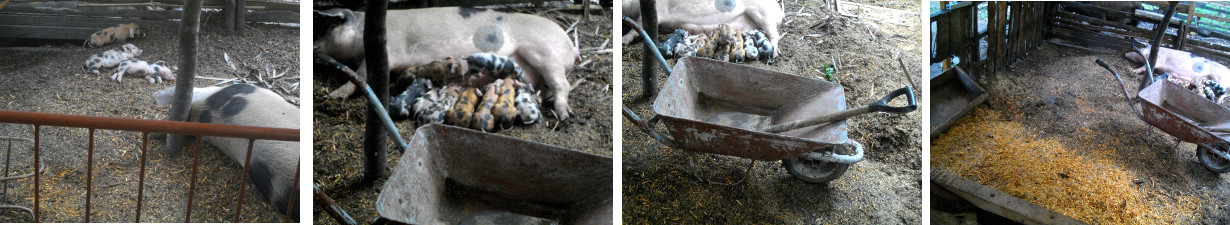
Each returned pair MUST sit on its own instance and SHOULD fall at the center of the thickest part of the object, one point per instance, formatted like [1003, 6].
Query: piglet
[667, 48]
[493, 65]
[424, 103]
[505, 110]
[440, 72]
[401, 106]
[483, 120]
[110, 58]
[437, 113]
[154, 72]
[527, 104]
[462, 111]
[118, 33]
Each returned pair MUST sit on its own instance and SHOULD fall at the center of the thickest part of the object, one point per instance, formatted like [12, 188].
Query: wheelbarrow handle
[372, 100]
[647, 127]
[1121, 85]
[878, 106]
[649, 41]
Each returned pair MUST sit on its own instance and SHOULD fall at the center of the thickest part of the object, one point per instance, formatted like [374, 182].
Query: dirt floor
[1108, 165]
[48, 79]
[339, 124]
[667, 185]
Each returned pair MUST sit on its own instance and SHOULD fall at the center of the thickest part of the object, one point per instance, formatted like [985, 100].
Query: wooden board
[998, 202]
[65, 21]
[953, 94]
[45, 32]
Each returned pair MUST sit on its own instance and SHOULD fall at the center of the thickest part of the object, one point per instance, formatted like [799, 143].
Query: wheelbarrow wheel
[815, 171]
[1211, 161]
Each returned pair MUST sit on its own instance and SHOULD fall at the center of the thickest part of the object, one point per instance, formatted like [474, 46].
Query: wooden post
[586, 11]
[1160, 31]
[649, 65]
[190, 26]
[228, 16]
[241, 16]
[378, 79]
[1182, 34]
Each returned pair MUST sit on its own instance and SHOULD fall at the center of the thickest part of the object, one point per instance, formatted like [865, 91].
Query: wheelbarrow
[1184, 115]
[742, 111]
[453, 175]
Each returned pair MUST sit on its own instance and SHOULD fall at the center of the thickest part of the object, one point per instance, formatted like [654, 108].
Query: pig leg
[119, 72]
[630, 36]
[1139, 70]
[348, 88]
[557, 82]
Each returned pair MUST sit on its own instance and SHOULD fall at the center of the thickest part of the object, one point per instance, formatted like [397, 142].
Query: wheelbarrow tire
[1211, 161]
[815, 171]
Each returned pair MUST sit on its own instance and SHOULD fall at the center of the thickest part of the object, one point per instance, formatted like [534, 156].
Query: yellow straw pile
[1084, 183]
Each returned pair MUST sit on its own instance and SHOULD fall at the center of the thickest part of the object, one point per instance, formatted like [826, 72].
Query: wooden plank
[133, 14]
[62, 21]
[1017, 30]
[267, 5]
[1067, 32]
[876, 13]
[51, 17]
[1001, 32]
[998, 202]
[271, 17]
[1162, 4]
[45, 32]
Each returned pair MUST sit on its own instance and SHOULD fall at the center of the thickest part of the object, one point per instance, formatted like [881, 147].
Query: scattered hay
[1082, 182]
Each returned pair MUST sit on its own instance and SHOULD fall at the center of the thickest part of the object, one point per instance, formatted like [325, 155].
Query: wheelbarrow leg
[1176, 146]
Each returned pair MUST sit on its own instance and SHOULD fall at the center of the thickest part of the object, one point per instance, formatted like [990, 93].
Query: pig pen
[338, 150]
[665, 185]
[49, 79]
[1055, 131]
[1059, 125]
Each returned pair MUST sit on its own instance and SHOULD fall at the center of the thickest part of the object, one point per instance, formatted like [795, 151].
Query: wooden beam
[271, 17]
[66, 21]
[1162, 5]
[46, 32]
[269, 5]
[998, 202]
[133, 14]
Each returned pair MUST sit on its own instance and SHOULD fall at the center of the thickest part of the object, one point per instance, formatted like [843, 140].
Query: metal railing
[146, 127]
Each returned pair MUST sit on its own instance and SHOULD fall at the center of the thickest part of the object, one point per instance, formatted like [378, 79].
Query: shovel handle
[882, 104]
[878, 106]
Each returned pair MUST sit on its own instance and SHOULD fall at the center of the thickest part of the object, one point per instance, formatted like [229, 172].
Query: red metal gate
[146, 127]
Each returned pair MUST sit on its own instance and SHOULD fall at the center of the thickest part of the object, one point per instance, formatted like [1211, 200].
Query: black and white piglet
[401, 107]
[493, 65]
[153, 72]
[110, 58]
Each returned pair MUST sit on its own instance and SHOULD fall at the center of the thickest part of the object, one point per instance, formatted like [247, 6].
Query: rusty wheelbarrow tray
[452, 175]
[1186, 116]
[723, 108]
